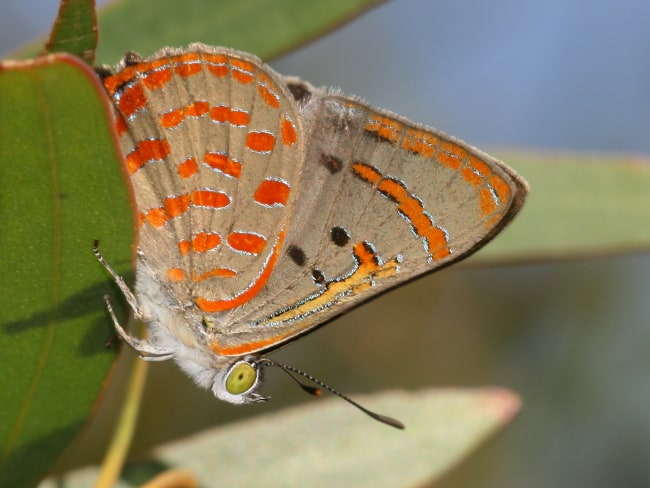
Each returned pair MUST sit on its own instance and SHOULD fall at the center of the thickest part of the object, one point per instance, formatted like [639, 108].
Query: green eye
[241, 378]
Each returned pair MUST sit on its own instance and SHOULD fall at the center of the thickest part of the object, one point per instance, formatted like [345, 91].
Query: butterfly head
[239, 382]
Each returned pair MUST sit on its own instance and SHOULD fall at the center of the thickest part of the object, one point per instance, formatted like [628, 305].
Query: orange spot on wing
[172, 119]
[184, 247]
[366, 172]
[384, 127]
[114, 82]
[451, 155]
[215, 58]
[175, 206]
[480, 166]
[205, 241]
[226, 114]
[156, 217]
[176, 274]
[289, 136]
[471, 177]
[218, 70]
[421, 143]
[197, 109]
[269, 97]
[220, 114]
[210, 198]
[500, 187]
[365, 254]
[218, 64]
[243, 71]
[175, 117]
[486, 201]
[272, 192]
[247, 242]
[145, 151]
[132, 100]
[152, 65]
[157, 79]
[187, 168]
[239, 117]
[260, 141]
[172, 207]
[223, 163]
[120, 124]
[186, 70]
[211, 306]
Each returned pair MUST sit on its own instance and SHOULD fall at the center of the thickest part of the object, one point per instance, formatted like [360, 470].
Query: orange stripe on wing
[409, 206]
[215, 273]
[211, 306]
[368, 269]
[242, 349]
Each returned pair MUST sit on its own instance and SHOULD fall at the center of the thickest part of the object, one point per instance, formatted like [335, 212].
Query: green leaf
[61, 189]
[75, 30]
[579, 205]
[264, 27]
[327, 443]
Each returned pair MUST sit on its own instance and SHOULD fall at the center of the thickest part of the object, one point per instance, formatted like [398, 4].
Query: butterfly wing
[212, 140]
[382, 201]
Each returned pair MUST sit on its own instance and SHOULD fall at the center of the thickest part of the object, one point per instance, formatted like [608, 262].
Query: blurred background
[571, 337]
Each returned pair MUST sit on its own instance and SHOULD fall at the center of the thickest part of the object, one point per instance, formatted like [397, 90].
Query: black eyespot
[333, 165]
[318, 276]
[297, 255]
[339, 236]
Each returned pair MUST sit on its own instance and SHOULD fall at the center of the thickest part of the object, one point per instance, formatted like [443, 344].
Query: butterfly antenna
[317, 392]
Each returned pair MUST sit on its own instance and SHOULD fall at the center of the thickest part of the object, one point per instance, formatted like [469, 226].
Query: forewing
[382, 200]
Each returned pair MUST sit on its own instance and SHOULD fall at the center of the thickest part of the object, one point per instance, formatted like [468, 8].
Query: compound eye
[241, 378]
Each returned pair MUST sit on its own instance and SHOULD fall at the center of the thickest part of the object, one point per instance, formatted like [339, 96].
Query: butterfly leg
[119, 281]
[145, 349]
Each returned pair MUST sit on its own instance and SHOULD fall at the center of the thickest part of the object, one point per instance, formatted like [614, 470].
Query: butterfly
[268, 207]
